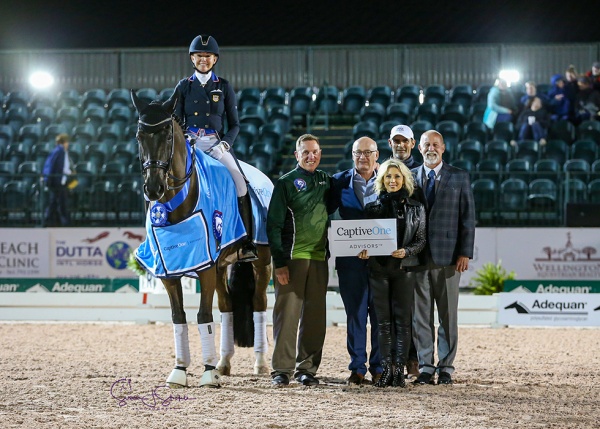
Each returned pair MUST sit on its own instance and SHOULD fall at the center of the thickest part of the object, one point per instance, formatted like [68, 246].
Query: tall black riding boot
[247, 252]
[385, 348]
[386, 375]
[403, 336]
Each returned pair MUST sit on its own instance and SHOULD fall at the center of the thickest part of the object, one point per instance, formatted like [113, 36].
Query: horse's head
[156, 143]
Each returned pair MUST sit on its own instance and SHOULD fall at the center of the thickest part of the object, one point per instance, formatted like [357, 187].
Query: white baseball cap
[403, 130]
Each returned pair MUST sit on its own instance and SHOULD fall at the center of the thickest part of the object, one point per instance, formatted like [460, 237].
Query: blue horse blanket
[194, 244]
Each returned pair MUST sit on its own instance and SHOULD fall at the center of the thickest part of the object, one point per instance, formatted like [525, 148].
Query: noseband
[166, 165]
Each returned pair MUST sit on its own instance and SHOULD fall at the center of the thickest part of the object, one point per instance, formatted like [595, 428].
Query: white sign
[350, 237]
[549, 309]
[24, 253]
[550, 253]
[93, 252]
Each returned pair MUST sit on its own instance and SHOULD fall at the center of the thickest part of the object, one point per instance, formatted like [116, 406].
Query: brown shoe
[375, 378]
[412, 369]
[355, 379]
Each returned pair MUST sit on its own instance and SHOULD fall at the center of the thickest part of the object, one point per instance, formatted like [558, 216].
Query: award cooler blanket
[194, 244]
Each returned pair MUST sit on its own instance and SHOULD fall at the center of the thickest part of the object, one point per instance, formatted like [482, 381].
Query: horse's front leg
[226, 308]
[263, 270]
[206, 327]
[178, 377]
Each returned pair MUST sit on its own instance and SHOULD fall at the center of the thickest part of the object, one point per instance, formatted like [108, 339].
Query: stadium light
[41, 80]
[510, 76]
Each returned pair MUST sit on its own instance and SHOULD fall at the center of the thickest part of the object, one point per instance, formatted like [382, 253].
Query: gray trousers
[300, 304]
[439, 286]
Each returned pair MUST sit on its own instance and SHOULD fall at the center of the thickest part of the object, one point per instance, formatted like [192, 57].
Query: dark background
[27, 24]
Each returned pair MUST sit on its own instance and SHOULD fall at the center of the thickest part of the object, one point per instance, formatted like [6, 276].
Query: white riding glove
[218, 150]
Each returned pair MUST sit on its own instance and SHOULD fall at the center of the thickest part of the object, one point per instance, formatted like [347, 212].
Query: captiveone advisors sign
[350, 237]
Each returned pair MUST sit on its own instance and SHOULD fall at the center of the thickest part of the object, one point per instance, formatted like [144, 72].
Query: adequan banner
[552, 309]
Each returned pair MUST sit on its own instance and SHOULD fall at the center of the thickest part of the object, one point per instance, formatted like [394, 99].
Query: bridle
[166, 165]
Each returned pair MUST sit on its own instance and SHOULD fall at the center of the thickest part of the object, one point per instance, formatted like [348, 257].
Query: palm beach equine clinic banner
[350, 237]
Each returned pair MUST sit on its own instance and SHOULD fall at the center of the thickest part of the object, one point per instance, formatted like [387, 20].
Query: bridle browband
[166, 165]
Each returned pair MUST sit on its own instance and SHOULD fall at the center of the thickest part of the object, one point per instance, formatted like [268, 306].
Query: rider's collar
[203, 78]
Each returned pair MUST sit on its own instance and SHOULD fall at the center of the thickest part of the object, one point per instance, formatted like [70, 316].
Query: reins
[167, 165]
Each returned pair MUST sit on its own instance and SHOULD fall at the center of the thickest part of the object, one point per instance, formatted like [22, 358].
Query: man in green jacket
[297, 231]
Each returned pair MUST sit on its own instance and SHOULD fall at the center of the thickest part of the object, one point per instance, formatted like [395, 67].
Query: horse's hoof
[210, 378]
[177, 379]
[224, 370]
[261, 370]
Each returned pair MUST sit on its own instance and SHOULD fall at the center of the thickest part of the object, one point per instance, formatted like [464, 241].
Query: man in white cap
[402, 141]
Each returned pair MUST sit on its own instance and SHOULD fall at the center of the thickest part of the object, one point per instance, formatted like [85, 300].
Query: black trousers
[57, 213]
[393, 294]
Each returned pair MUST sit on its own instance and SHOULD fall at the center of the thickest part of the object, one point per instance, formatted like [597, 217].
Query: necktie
[430, 190]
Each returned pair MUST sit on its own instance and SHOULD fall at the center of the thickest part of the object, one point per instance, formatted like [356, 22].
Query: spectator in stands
[571, 88]
[501, 105]
[56, 172]
[594, 75]
[530, 94]
[559, 104]
[587, 103]
[297, 231]
[351, 191]
[450, 243]
[533, 122]
[205, 102]
[392, 282]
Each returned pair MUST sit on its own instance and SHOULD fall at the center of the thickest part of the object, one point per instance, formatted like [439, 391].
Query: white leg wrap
[261, 344]
[207, 340]
[182, 345]
[227, 346]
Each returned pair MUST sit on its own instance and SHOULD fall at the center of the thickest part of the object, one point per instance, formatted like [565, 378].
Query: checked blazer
[451, 219]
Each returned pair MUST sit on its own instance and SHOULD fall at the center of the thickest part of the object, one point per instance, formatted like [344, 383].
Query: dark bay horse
[193, 229]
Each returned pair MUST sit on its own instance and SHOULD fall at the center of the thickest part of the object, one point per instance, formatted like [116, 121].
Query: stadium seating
[409, 95]
[381, 95]
[353, 100]
[273, 96]
[401, 113]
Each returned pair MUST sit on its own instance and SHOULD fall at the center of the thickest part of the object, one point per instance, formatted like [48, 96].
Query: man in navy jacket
[56, 169]
[351, 191]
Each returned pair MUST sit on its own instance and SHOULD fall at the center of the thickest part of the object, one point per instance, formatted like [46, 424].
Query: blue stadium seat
[365, 129]
[585, 149]
[353, 99]
[463, 95]
[557, 150]
[435, 94]
[273, 96]
[249, 96]
[381, 95]
[409, 94]
[401, 113]
[374, 113]
[470, 150]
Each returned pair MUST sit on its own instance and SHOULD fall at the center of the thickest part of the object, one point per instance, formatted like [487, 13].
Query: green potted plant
[489, 279]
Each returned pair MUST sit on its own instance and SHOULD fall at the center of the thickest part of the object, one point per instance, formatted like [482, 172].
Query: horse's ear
[170, 104]
[137, 103]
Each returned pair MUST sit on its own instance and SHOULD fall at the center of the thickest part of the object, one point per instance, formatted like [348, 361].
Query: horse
[194, 229]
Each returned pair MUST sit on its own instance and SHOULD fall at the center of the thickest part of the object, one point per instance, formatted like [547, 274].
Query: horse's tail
[241, 290]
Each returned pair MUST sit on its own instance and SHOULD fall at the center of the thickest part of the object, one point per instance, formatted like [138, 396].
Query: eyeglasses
[366, 153]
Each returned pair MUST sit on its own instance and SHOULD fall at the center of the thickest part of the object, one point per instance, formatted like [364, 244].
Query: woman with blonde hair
[390, 277]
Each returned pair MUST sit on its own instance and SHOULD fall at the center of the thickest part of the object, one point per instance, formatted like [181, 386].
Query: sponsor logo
[549, 307]
[569, 262]
[217, 225]
[362, 232]
[300, 185]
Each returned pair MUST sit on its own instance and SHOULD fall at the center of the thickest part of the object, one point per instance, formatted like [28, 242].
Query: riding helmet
[204, 43]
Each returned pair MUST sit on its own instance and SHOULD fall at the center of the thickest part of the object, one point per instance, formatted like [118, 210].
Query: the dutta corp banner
[93, 252]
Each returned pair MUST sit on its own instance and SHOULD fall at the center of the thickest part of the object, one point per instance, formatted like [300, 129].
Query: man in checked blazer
[450, 240]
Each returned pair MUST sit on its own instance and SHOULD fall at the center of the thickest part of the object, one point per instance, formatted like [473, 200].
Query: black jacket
[410, 225]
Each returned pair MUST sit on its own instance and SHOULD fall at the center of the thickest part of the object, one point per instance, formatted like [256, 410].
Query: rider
[205, 101]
